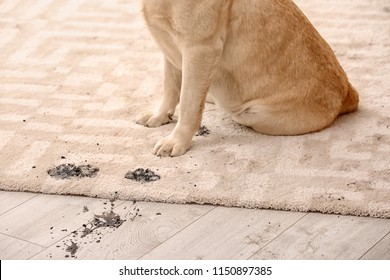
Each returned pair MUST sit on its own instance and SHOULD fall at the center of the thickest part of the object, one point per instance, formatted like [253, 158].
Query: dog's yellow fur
[260, 60]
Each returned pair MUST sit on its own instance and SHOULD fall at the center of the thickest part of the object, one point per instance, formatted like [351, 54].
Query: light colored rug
[74, 74]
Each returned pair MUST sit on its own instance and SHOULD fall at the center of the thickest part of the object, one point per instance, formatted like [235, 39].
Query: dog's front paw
[171, 146]
[153, 120]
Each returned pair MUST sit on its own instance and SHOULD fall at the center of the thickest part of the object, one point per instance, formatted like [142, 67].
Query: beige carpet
[75, 73]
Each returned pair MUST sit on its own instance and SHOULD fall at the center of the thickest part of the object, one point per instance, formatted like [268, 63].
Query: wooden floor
[37, 226]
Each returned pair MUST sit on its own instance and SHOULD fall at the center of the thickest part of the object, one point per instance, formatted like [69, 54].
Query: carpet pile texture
[75, 73]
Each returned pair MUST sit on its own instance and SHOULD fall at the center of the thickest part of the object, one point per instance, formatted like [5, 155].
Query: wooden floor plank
[9, 200]
[381, 251]
[226, 233]
[46, 219]
[140, 233]
[16, 249]
[166, 231]
[319, 236]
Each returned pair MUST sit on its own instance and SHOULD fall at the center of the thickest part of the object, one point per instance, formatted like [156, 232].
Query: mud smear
[203, 131]
[142, 175]
[70, 170]
[72, 249]
[96, 229]
[105, 220]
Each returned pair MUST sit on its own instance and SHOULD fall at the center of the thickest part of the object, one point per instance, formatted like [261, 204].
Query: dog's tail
[351, 101]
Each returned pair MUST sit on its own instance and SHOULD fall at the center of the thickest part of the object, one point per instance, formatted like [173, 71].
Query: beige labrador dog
[260, 60]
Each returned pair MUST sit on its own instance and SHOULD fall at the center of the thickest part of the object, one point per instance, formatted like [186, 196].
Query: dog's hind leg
[283, 119]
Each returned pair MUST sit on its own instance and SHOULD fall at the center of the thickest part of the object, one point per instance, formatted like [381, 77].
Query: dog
[260, 60]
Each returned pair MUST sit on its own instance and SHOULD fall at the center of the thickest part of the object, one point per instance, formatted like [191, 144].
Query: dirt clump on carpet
[202, 131]
[142, 175]
[70, 170]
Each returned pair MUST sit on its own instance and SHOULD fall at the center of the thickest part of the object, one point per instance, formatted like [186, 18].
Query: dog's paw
[171, 146]
[153, 120]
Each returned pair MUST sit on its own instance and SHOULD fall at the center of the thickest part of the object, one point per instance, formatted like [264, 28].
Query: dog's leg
[169, 101]
[199, 63]
[276, 118]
